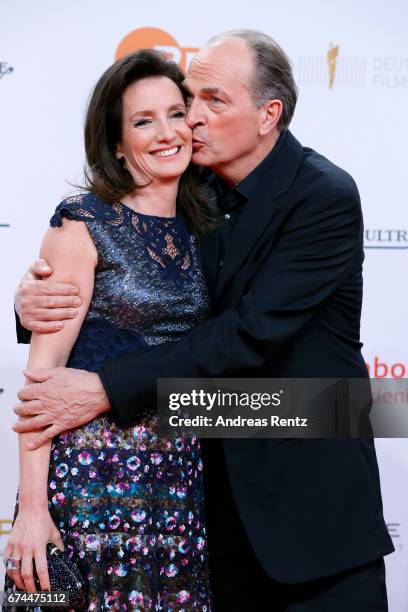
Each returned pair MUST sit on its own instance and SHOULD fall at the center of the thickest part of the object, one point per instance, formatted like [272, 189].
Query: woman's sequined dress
[128, 503]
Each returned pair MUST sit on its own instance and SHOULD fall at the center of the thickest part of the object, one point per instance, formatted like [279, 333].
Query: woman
[127, 504]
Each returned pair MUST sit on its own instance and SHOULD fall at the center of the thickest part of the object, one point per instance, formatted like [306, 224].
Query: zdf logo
[154, 38]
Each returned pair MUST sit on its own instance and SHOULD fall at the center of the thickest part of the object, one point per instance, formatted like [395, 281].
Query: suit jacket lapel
[260, 209]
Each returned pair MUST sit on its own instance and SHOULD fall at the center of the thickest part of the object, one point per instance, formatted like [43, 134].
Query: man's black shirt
[231, 201]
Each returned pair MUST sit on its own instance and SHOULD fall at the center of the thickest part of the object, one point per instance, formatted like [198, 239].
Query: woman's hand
[31, 532]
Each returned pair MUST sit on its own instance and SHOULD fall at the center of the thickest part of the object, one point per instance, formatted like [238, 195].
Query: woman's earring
[122, 161]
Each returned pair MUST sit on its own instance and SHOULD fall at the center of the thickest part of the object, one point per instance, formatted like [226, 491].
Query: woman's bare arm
[73, 257]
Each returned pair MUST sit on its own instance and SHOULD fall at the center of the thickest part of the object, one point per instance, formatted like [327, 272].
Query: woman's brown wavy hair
[105, 175]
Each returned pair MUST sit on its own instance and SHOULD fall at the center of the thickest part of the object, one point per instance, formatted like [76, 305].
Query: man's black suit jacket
[286, 303]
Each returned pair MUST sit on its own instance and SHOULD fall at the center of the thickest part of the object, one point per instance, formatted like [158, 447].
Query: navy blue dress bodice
[148, 289]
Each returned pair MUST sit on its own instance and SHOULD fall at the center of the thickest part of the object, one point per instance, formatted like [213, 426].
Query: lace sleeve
[84, 207]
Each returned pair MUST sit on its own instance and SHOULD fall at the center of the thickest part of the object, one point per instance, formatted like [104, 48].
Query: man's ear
[272, 111]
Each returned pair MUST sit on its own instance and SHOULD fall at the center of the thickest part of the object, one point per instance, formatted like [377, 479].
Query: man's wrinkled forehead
[229, 63]
[207, 68]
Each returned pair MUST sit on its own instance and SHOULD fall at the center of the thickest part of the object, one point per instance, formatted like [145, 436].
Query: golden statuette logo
[332, 56]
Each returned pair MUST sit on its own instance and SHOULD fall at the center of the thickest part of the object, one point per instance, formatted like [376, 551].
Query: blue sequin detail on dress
[166, 240]
[129, 503]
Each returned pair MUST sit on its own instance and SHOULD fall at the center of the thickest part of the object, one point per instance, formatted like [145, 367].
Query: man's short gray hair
[273, 77]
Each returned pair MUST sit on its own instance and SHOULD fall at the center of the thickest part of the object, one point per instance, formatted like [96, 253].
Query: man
[294, 525]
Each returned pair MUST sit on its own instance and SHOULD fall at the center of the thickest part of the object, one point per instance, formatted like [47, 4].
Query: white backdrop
[51, 54]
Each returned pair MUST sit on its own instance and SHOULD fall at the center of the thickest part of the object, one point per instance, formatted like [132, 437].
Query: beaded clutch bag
[64, 576]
